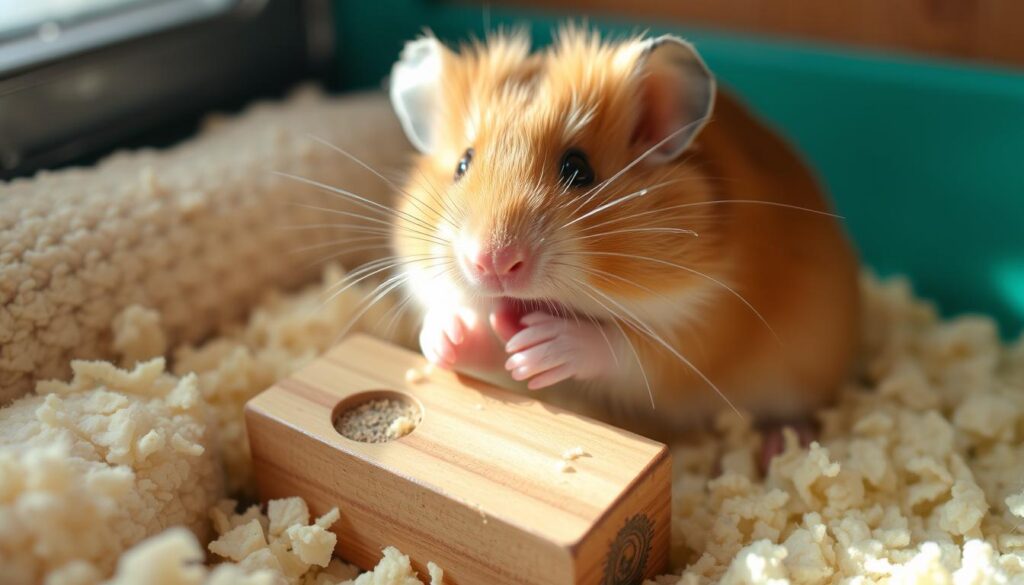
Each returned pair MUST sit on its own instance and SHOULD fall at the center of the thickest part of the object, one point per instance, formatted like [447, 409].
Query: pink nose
[501, 262]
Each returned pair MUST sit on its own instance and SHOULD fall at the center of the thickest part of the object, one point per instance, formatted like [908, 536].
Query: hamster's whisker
[409, 296]
[574, 315]
[615, 354]
[371, 264]
[433, 238]
[636, 355]
[381, 291]
[617, 320]
[334, 243]
[698, 273]
[602, 185]
[643, 190]
[553, 309]
[715, 202]
[565, 189]
[666, 173]
[653, 221]
[759, 202]
[448, 212]
[661, 341]
[354, 198]
[399, 279]
[444, 266]
[608, 276]
[354, 278]
[344, 212]
[592, 319]
[351, 226]
[615, 220]
[607, 205]
[359, 162]
[664, 230]
[396, 225]
[376, 266]
[346, 251]
[620, 200]
[398, 310]
[439, 196]
[358, 228]
[550, 306]
[425, 207]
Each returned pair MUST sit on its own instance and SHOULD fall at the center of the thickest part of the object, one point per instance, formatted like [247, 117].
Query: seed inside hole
[377, 416]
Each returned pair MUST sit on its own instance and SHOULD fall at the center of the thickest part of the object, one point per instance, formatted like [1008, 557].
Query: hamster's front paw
[552, 349]
[456, 338]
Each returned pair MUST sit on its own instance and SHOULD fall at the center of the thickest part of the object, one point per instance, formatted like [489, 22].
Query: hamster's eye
[463, 165]
[575, 170]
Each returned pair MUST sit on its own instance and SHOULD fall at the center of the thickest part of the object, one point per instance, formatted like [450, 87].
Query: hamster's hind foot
[773, 440]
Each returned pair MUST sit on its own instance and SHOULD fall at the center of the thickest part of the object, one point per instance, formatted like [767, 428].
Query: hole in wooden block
[377, 416]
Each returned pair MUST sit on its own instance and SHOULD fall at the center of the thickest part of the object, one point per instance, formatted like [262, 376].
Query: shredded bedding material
[918, 477]
[91, 467]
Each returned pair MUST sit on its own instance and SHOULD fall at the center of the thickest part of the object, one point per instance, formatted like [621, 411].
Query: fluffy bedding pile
[198, 232]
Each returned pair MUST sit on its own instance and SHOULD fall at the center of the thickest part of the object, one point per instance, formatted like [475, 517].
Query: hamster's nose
[496, 262]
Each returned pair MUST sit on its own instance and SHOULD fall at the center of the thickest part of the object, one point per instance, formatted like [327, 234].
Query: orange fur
[521, 111]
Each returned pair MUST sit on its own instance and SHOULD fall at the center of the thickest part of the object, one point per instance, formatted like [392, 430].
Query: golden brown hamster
[600, 216]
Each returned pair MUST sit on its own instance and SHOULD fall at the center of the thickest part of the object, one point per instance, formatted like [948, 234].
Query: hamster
[600, 218]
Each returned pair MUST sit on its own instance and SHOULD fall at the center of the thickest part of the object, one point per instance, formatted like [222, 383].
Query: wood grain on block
[480, 485]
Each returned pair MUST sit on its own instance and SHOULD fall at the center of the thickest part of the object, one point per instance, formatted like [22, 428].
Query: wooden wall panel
[982, 30]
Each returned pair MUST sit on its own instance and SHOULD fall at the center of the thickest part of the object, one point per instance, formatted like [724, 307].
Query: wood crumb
[565, 467]
[480, 510]
[401, 427]
[574, 454]
[415, 376]
[378, 421]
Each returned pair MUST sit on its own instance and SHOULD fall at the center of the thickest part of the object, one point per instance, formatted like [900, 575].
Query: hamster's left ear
[677, 94]
[415, 90]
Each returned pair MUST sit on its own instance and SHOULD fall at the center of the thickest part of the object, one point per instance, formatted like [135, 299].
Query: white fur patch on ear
[677, 94]
[415, 90]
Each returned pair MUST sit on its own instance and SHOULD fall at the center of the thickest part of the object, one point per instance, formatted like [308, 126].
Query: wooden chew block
[477, 487]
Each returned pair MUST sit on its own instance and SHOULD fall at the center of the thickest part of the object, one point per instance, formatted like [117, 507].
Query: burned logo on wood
[627, 557]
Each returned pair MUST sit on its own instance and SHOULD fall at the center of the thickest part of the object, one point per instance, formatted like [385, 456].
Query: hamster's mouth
[508, 313]
[515, 309]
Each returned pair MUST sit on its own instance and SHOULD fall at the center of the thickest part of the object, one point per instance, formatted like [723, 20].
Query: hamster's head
[555, 176]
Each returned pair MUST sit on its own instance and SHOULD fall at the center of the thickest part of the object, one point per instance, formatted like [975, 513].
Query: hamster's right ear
[677, 95]
[416, 90]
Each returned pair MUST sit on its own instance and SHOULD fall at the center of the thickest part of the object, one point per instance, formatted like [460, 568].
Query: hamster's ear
[677, 93]
[415, 90]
